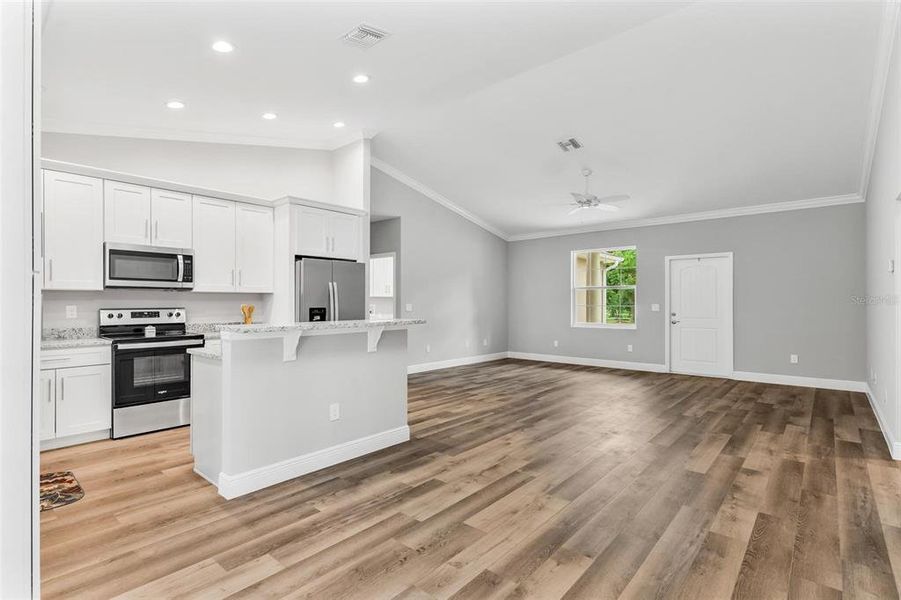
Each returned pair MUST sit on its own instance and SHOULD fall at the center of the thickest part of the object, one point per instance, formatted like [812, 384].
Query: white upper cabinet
[214, 245]
[381, 276]
[325, 233]
[345, 234]
[126, 210]
[73, 232]
[170, 214]
[255, 248]
[310, 231]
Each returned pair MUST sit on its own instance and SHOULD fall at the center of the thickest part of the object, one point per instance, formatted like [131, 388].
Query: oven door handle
[170, 344]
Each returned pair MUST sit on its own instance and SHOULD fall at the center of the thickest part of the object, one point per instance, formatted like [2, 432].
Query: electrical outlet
[428, 348]
[71, 311]
[409, 307]
[334, 412]
[874, 377]
[629, 348]
[655, 308]
[485, 342]
[556, 344]
[884, 397]
[793, 359]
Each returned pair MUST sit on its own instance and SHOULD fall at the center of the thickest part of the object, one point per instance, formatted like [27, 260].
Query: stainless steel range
[151, 368]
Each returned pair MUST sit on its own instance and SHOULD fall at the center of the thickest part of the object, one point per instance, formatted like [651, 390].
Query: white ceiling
[688, 108]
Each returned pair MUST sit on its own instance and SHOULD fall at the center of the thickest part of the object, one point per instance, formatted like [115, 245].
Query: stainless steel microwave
[132, 266]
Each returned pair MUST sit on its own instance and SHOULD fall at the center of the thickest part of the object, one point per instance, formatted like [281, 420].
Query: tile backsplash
[200, 307]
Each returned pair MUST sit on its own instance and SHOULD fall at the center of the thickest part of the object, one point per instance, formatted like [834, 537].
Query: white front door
[700, 318]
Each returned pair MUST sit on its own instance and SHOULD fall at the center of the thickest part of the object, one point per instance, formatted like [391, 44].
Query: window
[603, 287]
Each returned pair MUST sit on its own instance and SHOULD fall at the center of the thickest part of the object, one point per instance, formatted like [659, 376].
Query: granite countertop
[71, 337]
[60, 343]
[321, 326]
[213, 352]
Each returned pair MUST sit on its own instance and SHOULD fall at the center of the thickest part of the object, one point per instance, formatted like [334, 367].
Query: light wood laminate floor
[523, 480]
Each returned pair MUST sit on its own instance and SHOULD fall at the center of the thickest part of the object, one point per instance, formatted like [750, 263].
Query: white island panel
[268, 420]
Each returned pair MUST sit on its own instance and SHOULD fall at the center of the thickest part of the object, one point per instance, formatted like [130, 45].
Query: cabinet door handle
[62, 389]
[50, 269]
[233, 277]
[240, 279]
[156, 230]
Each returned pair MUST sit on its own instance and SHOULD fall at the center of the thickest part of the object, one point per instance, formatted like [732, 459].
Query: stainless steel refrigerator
[329, 290]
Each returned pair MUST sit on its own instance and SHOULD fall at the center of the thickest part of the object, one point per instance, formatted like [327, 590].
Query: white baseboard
[590, 362]
[893, 445]
[232, 486]
[815, 382]
[455, 362]
[74, 440]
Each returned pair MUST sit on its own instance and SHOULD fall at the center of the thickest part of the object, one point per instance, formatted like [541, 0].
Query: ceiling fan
[588, 200]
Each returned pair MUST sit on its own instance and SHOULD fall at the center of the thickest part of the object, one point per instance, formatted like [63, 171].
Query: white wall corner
[891, 441]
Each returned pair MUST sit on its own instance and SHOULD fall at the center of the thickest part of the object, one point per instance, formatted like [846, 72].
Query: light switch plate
[556, 343]
[71, 311]
[793, 359]
[655, 308]
[334, 412]
[409, 308]
[629, 348]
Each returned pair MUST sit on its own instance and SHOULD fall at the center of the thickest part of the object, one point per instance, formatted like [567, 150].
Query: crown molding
[435, 196]
[203, 137]
[726, 213]
[887, 34]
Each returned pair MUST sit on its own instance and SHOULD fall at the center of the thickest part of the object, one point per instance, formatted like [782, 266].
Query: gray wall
[882, 217]
[384, 237]
[452, 271]
[794, 276]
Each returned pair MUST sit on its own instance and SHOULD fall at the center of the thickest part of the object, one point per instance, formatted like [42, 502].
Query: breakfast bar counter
[274, 402]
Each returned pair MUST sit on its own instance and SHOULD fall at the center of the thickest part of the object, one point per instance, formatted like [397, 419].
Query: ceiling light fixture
[361, 78]
[222, 46]
[175, 104]
[269, 116]
[338, 124]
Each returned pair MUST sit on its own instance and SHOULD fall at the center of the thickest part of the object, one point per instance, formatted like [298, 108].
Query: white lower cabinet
[75, 401]
[82, 400]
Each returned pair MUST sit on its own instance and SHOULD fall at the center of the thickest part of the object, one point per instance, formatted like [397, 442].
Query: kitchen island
[275, 402]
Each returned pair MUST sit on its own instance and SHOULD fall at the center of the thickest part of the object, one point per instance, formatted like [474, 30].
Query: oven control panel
[141, 316]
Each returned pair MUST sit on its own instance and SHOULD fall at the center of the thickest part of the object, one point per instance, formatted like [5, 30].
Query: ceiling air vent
[570, 144]
[364, 36]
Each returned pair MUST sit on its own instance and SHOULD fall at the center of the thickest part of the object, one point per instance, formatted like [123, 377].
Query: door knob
[674, 321]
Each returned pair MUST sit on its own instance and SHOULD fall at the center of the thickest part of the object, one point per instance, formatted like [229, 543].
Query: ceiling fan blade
[606, 207]
[575, 210]
[614, 198]
[579, 197]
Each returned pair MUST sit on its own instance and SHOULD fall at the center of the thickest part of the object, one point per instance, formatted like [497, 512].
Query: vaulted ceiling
[686, 107]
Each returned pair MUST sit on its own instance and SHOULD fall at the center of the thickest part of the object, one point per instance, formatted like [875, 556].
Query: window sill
[603, 326]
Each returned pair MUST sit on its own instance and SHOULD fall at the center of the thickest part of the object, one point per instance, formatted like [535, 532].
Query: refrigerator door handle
[337, 303]
[331, 302]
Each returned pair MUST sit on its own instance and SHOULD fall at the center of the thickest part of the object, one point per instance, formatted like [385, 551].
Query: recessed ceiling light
[222, 46]
[361, 78]
[269, 116]
[338, 124]
[175, 104]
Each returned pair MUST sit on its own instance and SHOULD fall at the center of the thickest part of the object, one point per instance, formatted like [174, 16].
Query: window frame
[573, 288]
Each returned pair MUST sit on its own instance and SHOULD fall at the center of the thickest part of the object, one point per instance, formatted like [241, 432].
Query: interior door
[700, 319]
